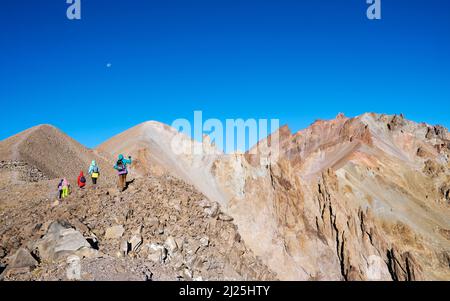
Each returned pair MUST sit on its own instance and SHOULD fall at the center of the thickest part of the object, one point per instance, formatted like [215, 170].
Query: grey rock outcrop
[61, 241]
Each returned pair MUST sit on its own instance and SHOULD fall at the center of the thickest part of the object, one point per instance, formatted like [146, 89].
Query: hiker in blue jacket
[94, 172]
[121, 167]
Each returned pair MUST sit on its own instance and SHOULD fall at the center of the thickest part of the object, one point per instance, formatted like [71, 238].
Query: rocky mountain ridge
[364, 198]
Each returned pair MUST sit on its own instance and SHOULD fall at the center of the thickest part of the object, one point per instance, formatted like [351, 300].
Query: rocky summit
[364, 198]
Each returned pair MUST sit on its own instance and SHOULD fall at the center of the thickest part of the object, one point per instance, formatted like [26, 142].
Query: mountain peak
[51, 151]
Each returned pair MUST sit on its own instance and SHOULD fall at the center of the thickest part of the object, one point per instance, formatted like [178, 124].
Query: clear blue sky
[293, 60]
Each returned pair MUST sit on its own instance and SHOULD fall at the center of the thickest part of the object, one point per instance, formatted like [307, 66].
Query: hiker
[65, 188]
[60, 189]
[94, 172]
[81, 180]
[121, 167]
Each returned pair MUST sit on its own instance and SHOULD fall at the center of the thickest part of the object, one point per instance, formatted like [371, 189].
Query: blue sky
[294, 60]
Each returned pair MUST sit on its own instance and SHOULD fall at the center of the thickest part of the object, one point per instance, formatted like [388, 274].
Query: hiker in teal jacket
[94, 172]
[121, 167]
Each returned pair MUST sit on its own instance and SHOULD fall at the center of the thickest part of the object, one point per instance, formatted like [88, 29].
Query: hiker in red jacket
[81, 180]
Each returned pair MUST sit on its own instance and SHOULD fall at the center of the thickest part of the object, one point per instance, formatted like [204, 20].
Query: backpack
[95, 169]
[120, 166]
[83, 179]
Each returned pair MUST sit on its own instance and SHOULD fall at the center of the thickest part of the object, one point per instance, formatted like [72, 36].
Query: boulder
[225, 218]
[171, 245]
[22, 259]
[177, 261]
[191, 260]
[73, 271]
[204, 203]
[156, 253]
[192, 247]
[88, 253]
[180, 243]
[124, 248]
[71, 240]
[187, 274]
[212, 210]
[114, 232]
[204, 241]
[135, 242]
[60, 241]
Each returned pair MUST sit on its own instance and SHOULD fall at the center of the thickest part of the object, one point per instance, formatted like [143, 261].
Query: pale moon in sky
[108, 65]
